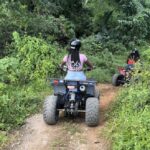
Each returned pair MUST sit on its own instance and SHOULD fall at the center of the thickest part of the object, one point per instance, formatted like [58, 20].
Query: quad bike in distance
[72, 97]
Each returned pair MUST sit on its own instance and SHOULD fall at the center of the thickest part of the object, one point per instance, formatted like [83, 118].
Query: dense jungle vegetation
[34, 36]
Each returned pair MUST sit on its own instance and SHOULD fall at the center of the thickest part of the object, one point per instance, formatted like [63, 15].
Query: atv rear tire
[117, 79]
[92, 111]
[50, 112]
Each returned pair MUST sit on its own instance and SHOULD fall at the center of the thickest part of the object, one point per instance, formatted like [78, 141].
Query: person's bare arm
[88, 63]
[62, 64]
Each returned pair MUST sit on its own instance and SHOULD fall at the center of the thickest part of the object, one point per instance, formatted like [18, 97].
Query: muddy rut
[67, 134]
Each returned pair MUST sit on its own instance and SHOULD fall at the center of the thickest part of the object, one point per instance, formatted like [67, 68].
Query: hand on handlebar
[63, 68]
[90, 68]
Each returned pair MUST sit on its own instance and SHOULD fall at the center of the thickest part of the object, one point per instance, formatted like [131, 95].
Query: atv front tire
[92, 111]
[117, 79]
[50, 112]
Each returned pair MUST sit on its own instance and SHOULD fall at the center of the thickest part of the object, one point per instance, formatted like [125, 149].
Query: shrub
[37, 59]
[23, 79]
[114, 46]
[15, 105]
[8, 69]
[51, 28]
[90, 45]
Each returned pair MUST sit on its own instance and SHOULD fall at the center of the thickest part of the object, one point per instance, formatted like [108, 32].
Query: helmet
[75, 44]
[135, 54]
[135, 50]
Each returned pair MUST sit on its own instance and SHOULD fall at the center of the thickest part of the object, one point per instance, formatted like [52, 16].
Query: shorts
[75, 75]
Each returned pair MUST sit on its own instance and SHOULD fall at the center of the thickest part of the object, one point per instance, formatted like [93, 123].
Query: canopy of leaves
[126, 21]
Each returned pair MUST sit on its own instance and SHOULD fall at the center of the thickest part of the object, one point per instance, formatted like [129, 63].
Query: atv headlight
[82, 88]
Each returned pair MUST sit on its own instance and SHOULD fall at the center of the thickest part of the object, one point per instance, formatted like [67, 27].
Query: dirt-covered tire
[50, 112]
[92, 111]
[116, 79]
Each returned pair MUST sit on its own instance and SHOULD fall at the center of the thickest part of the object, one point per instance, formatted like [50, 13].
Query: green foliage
[115, 21]
[33, 54]
[37, 58]
[91, 45]
[77, 13]
[8, 69]
[114, 46]
[102, 57]
[102, 11]
[126, 21]
[3, 137]
[16, 103]
[15, 16]
[106, 65]
[23, 79]
[134, 24]
[146, 54]
[6, 27]
[73, 10]
[51, 28]
[129, 126]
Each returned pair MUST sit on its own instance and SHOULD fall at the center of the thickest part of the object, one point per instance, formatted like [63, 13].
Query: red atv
[123, 76]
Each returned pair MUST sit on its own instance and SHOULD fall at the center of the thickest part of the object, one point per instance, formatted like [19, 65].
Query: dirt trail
[67, 134]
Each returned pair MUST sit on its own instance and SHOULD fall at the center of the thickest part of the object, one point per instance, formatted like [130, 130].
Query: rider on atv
[125, 73]
[133, 57]
[74, 94]
[75, 61]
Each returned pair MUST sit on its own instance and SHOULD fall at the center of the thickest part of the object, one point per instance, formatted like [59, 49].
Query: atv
[72, 97]
[123, 76]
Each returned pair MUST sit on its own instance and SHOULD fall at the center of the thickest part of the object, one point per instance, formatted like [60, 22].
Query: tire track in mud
[67, 134]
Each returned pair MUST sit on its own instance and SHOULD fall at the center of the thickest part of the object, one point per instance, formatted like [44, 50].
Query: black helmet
[135, 50]
[75, 44]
